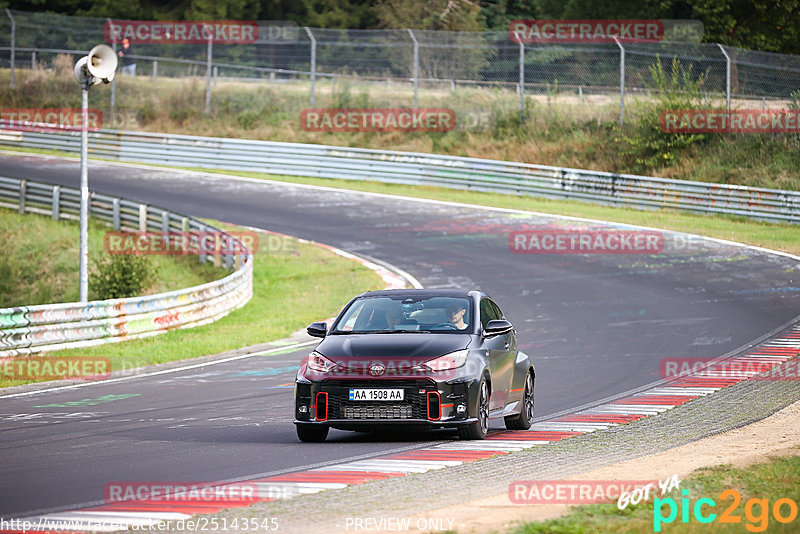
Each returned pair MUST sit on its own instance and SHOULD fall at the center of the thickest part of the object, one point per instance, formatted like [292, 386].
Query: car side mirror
[317, 329]
[497, 327]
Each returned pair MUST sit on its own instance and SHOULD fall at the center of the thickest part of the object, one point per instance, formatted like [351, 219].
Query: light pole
[99, 66]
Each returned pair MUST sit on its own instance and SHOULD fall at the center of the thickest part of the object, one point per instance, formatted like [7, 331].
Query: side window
[497, 310]
[488, 312]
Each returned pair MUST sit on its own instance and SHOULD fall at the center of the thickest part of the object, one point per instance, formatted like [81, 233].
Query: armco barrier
[423, 169]
[30, 329]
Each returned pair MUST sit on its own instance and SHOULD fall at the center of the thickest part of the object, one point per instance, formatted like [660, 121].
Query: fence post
[115, 214]
[113, 81]
[164, 221]
[621, 80]
[727, 77]
[521, 79]
[33, 60]
[56, 202]
[142, 217]
[23, 189]
[313, 62]
[155, 69]
[13, 46]
[416, 65]
[209, 55]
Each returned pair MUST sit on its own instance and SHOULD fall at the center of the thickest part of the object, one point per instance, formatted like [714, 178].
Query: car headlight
[452, 360]
[319, 363]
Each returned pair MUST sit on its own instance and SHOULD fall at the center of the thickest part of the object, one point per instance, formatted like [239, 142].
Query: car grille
[376, 410]
[412, 407]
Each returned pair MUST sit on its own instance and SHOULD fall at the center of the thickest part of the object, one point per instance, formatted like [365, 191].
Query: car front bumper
[427, 403]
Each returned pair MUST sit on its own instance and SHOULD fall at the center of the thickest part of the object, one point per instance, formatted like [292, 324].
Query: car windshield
[406, 314]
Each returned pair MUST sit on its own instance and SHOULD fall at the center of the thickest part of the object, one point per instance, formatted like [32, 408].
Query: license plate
[362, 394]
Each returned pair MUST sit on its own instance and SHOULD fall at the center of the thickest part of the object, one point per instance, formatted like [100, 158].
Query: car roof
[417, 293]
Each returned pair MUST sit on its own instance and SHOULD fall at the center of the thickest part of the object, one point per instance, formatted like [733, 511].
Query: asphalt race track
[597, 325]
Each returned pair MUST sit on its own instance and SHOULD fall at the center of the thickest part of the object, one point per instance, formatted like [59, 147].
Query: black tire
[311, 434]
[479, 428]
[522, 421]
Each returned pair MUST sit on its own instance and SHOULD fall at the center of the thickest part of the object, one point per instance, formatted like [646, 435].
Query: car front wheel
[479, 428]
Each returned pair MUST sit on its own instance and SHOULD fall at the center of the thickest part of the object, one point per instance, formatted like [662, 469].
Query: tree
[461, 15]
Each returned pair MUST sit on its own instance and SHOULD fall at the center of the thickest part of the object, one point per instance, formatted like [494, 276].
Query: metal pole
[114, 81]
[313, 62]
[621, 80]
[84, 245]
[416, 66]
[208, 70]
[13, 45]
[521, 79]
[155, 69]
[727, 77]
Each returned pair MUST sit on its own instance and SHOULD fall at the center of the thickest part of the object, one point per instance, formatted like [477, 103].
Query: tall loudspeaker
[102, 63]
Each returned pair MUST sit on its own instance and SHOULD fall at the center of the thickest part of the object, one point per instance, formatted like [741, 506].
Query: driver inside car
[455, 315]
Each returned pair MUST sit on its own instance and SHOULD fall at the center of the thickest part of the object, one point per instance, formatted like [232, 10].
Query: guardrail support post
[115, 214]
[23, 189]
[142, 217]
[155, 69]
[313, 62]
[13, 46]
[621, 80]
[33, 60]
[416, 65]
[56, 205]
[727, 77]
[164, 221]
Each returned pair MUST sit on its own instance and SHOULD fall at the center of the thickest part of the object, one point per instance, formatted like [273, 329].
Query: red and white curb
[140, 514]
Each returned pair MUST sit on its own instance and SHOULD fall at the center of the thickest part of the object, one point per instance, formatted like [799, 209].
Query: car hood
[386, 347]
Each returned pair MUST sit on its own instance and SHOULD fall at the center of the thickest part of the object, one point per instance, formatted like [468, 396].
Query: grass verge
[40, 261]
[760, 486]
[294, 283]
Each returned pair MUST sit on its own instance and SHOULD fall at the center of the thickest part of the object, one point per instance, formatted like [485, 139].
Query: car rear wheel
[523, 420]
[311, 434]
[479, 428]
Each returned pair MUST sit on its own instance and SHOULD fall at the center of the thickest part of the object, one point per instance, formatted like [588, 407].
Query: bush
[120, 276]
[650, 147]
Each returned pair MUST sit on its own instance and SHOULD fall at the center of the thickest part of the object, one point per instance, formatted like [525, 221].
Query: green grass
[294, 284]
[39, 264]
[771, 480]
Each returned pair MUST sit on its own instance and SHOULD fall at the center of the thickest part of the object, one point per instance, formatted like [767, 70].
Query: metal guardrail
[453, 172]
[27, 330]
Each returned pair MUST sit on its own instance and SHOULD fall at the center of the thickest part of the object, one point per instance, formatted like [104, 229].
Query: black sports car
[416, 358]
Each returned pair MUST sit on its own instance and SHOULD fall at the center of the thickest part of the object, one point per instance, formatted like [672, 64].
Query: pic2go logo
[756, 511]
